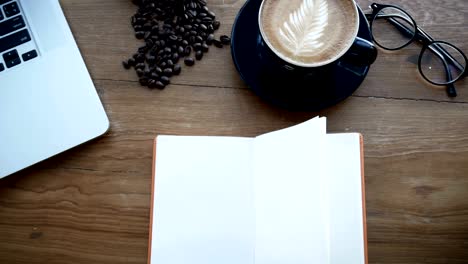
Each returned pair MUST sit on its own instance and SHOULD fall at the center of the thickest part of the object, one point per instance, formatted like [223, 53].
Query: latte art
[302, 33]
[309, 32]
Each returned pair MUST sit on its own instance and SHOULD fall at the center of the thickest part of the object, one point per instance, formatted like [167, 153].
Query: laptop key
[29, 55]
[2, 67]
[11, 25]
[11, 58]
[14, 40]
[11, 9]
[4, 1]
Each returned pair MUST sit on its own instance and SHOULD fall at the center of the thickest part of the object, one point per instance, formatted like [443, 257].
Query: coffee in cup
[309, 33]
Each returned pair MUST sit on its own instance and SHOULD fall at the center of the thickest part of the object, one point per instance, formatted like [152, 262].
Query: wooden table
[91, 204]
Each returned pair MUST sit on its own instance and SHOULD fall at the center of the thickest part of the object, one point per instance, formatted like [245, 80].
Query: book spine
[152, 202]
[363, 188]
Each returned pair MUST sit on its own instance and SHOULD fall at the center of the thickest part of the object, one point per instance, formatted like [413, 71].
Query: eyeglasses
[440, 62]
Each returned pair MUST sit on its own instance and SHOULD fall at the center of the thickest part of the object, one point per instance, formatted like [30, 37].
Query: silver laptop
[48, 102]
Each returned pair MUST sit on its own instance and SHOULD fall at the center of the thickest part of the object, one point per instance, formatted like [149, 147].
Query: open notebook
[294, 196]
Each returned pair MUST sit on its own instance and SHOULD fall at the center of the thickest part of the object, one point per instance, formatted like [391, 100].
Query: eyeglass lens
[441, 63]
[392, 28]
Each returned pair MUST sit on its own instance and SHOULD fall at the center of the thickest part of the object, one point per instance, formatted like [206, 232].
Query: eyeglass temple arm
[451, 91]
[425, 38]
[422, 36]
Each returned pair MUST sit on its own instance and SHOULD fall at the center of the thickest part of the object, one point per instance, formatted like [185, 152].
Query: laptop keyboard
[16, 46]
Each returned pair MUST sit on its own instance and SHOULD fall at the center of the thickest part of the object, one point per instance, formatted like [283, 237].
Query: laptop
[48, 103]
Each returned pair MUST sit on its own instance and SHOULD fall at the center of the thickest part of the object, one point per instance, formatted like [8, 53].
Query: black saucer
[336, 81]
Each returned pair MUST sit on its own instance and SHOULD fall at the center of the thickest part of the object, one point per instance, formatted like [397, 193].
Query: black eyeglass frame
[427, 41]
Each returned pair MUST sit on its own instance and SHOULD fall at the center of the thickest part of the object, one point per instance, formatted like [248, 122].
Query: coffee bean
[217, 43]
[216, 24]
[192, 39]
[209, 39]
[142, 49]
[163, 65]
[185, 43]
[211, 14]
[147, 26]
[126, 65]
[140, 34]
[131, 62]
[199, 55]
[159, 85]
[152, 83]
[173, 37]
[205, 47]
[180, 50]
[197, 46]
[170, 64]
[177, 69]
[140, 66]
[188, 27]
[168, 72]
[198, 39]
[167, 50]
[154, 75]
[165, 80]
[158, 70]
[203, 27]
[202, 15]
[150, 59]
[225, 40]
[189, 61]
[207, 21]
[149, 42]
[175, 57]
[143, 81]
[210, 29]
[140, 58]
[139, 72]
[188, 50]
[140, 21]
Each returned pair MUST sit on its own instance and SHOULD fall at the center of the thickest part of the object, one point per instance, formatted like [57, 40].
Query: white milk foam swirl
[301, 33]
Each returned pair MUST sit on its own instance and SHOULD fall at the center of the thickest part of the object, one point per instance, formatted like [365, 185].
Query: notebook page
[203, 209]
[290, 193]
[346, 207]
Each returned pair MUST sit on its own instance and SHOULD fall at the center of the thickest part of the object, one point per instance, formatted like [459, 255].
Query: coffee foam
[309, 32]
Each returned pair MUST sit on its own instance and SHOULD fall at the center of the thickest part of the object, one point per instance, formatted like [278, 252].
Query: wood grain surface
[91, 204]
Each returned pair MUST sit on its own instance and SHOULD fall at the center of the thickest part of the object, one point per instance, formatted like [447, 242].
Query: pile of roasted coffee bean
[173, 30]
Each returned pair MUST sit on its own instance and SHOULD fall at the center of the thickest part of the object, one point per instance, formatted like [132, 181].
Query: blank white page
[346, 199]
[203, 210]
[290, 196]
